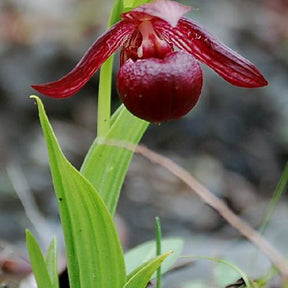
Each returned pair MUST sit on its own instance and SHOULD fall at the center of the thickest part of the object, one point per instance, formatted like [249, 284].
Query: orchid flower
[160, 77]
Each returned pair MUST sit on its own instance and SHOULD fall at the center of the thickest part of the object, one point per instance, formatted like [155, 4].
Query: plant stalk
[158, 249]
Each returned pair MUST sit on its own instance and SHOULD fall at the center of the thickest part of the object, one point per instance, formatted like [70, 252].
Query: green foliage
[44, 278]
[52, 263]
[146, 251]
[94, 254]
[141, 276]
[158, 250]
[107, 161]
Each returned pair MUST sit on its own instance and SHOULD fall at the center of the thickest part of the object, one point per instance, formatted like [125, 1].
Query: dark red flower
[159, 78]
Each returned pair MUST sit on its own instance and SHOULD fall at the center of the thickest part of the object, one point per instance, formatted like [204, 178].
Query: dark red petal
[100, 50]
[205, 47]
[158, 90]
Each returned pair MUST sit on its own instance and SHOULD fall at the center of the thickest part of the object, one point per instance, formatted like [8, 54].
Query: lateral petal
[194, 39]
[96, 55]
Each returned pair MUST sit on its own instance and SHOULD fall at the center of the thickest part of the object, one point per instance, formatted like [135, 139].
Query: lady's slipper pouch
[159, 77]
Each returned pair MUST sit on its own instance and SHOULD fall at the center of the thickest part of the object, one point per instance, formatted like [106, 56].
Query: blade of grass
[52, 263]
[37, 262]
[142, 275]
[270, 210]
[280, 188]
[158, 249]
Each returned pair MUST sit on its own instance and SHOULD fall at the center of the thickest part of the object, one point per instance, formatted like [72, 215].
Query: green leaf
[106, 165]
[147, 251]
[37, 262]
[94, 254]
[142, 275]
[52, 263]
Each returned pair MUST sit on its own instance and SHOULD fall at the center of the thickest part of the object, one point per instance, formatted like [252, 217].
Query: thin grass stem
[282, 184]
[158, 249]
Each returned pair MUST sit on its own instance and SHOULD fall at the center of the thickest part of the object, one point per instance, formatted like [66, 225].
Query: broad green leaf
[143, 274]
[147, 251]
[106, 165]
[37, 262]
[94, 254]
[52, 263]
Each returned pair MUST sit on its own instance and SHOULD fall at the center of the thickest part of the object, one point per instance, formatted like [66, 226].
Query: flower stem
[104, 95]
[158, 248]
[104, 98]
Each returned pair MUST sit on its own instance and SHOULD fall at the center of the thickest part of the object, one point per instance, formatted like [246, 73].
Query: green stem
[158, 248]
[104, 98]
[105, 81]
